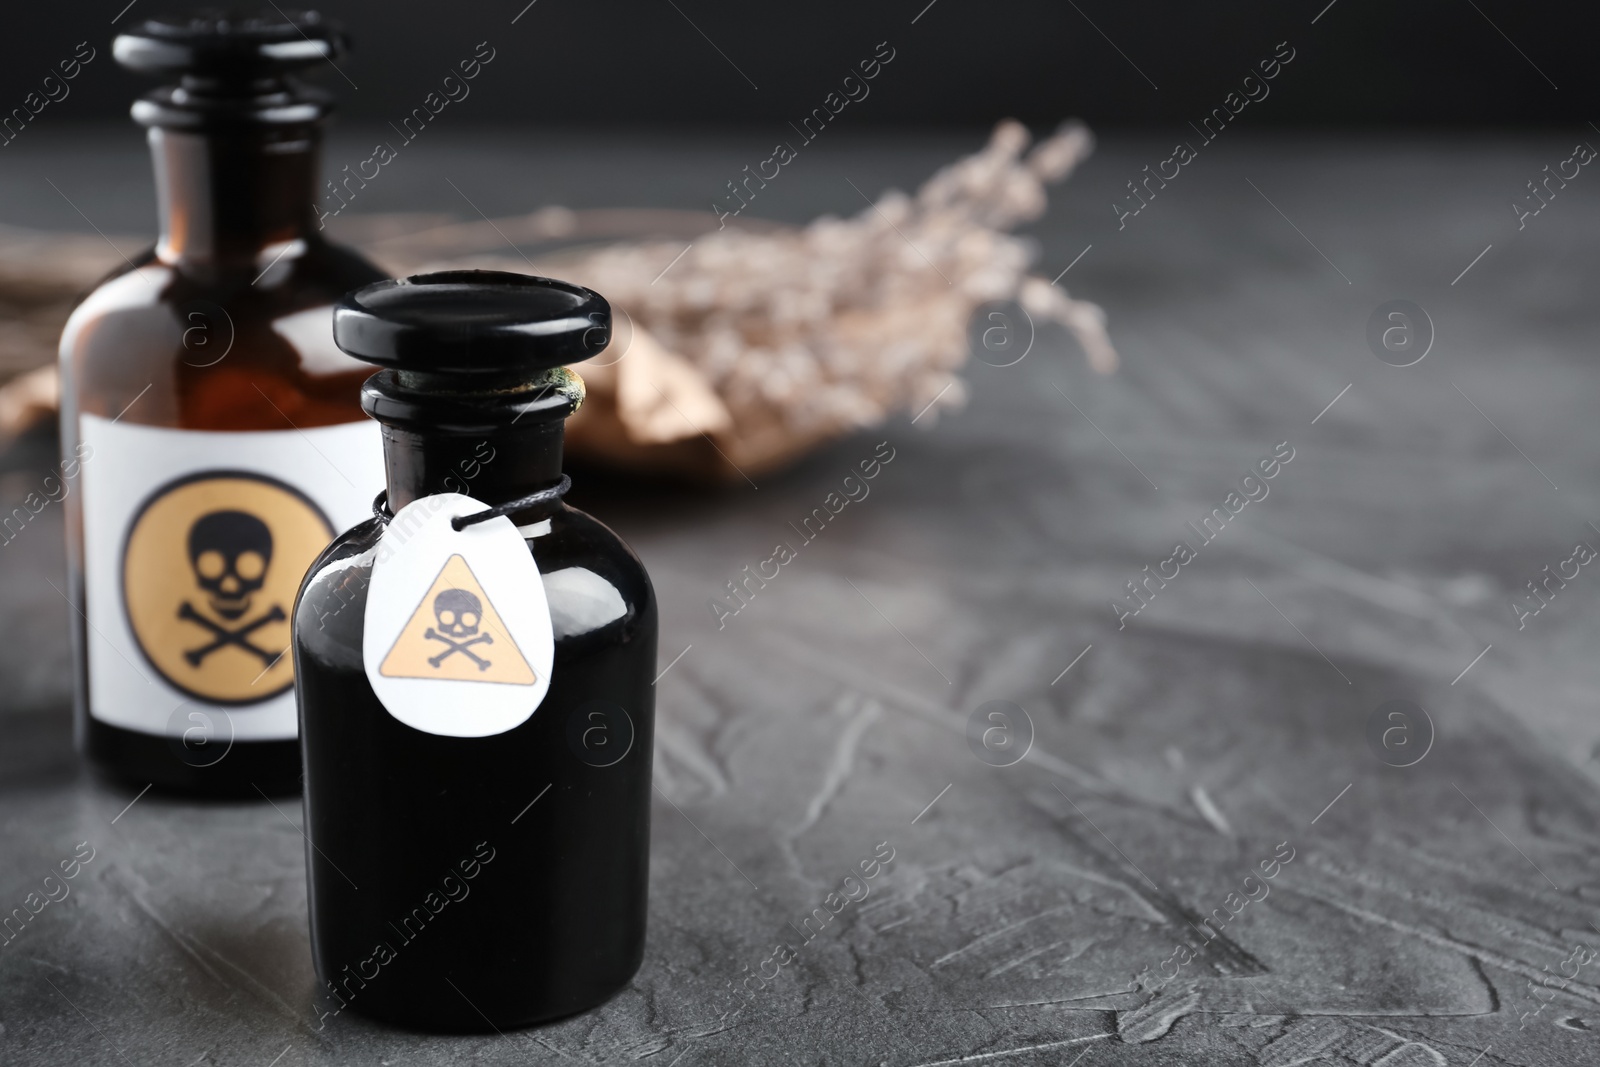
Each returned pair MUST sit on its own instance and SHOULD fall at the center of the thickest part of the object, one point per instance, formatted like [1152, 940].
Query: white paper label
[195, 543]
[457, 640]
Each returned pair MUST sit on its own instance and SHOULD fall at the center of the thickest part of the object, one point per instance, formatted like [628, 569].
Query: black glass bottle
[218, 428]
[478, 883]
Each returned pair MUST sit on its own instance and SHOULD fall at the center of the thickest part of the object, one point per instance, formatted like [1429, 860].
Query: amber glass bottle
[469, 874]
[217, 426]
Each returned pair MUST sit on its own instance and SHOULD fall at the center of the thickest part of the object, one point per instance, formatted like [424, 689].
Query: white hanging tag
[457, 639]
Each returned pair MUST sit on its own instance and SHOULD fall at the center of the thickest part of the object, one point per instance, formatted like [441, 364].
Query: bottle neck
[235, 196]
[493, 467]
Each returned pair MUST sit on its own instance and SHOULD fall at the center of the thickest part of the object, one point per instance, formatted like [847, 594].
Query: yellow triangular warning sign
[455, 633]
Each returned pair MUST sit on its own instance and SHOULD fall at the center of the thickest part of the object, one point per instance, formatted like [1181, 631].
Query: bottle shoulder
[319, 273]
[577, 540]
[217, 351]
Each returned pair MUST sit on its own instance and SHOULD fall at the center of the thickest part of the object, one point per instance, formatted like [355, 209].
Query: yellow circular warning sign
[209, 575]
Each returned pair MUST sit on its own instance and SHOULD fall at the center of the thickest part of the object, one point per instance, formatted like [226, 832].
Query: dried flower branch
[802, 335]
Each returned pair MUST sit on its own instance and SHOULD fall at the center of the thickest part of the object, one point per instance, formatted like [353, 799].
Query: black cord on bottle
[380, 505]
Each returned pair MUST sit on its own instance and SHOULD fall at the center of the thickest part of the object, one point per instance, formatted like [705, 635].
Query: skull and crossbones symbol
[459, 614]
[229, 552]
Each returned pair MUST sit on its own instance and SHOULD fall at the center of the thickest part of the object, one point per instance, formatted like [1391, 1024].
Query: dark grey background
[962, 62]
[1170, 756]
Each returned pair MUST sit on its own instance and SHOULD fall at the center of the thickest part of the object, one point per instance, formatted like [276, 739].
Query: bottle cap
[472, 350]
[473, 324]
[231, 67]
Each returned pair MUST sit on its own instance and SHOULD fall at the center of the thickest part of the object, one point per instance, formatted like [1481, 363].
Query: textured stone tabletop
[1234, 727]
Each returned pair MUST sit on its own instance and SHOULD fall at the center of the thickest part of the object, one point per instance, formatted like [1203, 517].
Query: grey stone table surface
[1442, 912]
